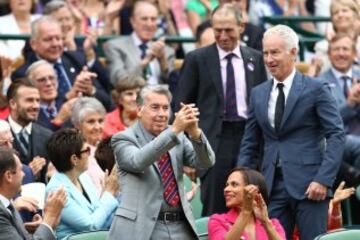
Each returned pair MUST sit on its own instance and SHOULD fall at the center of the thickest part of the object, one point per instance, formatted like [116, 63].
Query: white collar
[16, 128]
[338, 74]
[6, 202]
[287, 82]
[223, 53]
[136, 39]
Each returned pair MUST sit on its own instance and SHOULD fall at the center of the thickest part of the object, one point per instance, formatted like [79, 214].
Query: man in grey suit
[293, 115]
[150, 157]
[137, 53]
[11, 224]
[343, 80]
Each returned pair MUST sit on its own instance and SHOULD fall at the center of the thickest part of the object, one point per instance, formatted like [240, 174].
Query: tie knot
[229, 56]
[143, 46]
[345, 78]
[280, 86]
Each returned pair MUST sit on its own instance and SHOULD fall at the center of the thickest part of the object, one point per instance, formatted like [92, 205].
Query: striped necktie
[171, 194]
[23, 137]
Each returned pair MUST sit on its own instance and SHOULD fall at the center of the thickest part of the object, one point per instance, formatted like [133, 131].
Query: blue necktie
[231, 113]
[143, 47]
[346, 85]
[64, 84]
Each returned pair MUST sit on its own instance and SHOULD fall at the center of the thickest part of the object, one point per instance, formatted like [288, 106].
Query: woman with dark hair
[247, 197]
[84, 210]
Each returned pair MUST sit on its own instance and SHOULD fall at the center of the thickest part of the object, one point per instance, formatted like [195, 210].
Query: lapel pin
[250, 66]
[72, 70]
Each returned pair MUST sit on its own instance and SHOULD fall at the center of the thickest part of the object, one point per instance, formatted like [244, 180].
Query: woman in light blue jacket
[83, 210]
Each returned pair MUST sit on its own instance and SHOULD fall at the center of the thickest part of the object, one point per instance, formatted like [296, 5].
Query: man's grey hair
[289, 36]
[53, 6]
[84, 106]
[35, 65]
[35, 25]
[161, 89]
[4, 126]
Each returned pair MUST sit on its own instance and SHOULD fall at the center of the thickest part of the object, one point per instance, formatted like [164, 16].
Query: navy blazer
[73, 62]
[348, 114]
[310, 117]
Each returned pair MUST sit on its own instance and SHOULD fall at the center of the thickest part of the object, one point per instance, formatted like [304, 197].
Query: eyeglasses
[43, 80]
[86, 150]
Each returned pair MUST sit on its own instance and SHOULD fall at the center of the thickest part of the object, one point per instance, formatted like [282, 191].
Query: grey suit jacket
[140, 180]
[123, 57]
[12, 228]
[350, 115]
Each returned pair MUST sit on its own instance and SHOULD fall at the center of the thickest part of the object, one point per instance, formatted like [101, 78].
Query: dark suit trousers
[213, 183]
[310, 216]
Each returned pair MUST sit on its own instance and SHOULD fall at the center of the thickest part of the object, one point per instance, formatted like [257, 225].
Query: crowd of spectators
[91, 119]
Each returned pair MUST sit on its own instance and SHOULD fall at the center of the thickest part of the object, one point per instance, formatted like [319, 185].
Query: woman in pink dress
[246, 196]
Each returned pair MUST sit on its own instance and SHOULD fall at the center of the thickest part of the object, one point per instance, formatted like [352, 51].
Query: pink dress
[95, 172]
[220, 224]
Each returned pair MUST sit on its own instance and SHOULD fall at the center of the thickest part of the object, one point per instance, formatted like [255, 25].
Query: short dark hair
[104, 154]
[201, 29]
[128, 82]
[253, 177]
[62, 145]
[7, 160]
[14, 87]
[339, 36]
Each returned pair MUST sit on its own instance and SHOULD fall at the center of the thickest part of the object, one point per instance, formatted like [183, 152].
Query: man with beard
[29, 137]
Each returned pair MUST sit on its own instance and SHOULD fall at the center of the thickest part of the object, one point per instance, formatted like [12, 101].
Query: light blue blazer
[79, 214]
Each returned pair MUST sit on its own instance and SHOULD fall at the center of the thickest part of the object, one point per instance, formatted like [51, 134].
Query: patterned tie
[24, 141]
[231, 113]
[51, 111]
[171, 194]
[143, 47]
[280, 106]
[64, 84]
[19, 224]
[346, 85]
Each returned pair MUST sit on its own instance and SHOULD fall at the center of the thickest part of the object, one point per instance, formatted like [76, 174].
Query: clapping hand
[260, 208]
[250, 191]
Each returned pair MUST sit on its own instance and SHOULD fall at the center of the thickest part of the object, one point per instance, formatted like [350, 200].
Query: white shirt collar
[223, 53]
[287, 82]
[136, 39]
[16, 128]
[338, 74]
[4, 201]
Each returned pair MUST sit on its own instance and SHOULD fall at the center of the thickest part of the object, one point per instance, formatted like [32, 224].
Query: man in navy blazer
[77, 74]
[294, 115]
[343, 80]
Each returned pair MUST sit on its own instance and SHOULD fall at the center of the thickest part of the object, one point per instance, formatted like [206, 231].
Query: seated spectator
[344, 17]
[198, 11]
[30, 138]
[343, 79]
[88, 116]
[247, 197]
[4, 109]
[137, 53]
[52, 114]
[75, 75]
[16, 22]
[84, 210]
[124, 96]
[60, 11]
[12, 227]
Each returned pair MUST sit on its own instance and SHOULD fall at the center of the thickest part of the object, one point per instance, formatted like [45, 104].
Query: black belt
[171, 216]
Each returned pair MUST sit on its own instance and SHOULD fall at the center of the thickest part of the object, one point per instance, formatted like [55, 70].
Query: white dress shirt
[274, 94]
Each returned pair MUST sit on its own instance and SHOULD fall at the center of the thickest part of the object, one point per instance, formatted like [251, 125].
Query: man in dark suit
[12, 227]
[30, 138]
[297, 119]
[71, 66]
[218, 79]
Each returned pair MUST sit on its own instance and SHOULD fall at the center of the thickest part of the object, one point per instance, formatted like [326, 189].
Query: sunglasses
[86, 150]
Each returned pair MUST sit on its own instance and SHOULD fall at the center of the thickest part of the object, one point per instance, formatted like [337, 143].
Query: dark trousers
[310, 216]
[213, 183]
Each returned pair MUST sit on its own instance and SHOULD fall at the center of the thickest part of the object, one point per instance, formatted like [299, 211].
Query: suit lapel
[249, 68]
[16, 220]
[213, 65]
[264, 111]
[294, 94]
